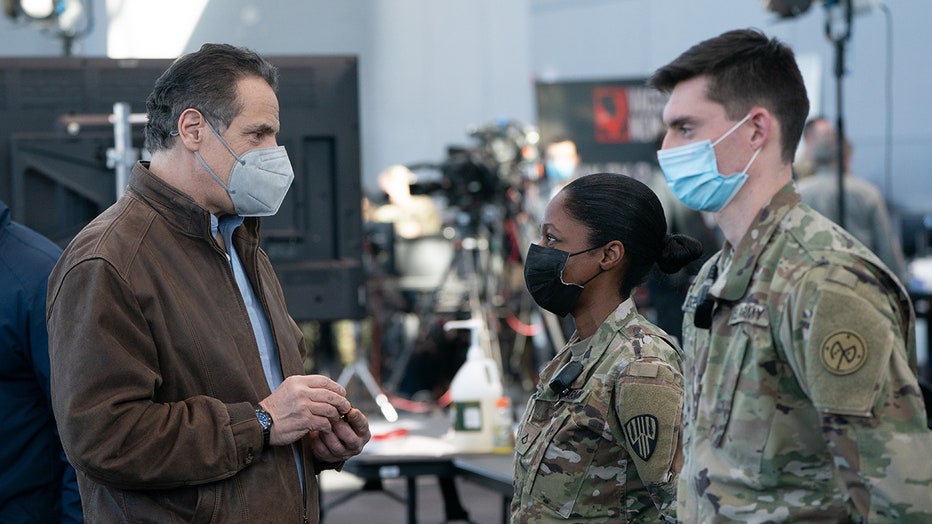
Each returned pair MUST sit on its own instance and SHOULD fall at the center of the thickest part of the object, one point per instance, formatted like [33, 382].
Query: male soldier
[801, 399]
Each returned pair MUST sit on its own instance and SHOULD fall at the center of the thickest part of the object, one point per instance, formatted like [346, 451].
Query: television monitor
[55, 134]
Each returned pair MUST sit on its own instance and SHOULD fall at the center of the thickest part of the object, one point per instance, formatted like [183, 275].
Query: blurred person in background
[866, 215]
[560, 166]
[413, 216]
[804, 166]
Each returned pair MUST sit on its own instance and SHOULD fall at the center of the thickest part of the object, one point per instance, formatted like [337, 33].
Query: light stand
[122, 156]
[840, 36]
[360, 368]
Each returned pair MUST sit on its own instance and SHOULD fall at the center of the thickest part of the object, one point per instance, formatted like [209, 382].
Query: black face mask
[543, 276]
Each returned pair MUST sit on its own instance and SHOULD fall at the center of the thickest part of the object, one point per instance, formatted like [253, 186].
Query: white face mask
[259, 180]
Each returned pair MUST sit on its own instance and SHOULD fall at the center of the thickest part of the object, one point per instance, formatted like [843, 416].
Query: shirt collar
[225, 225]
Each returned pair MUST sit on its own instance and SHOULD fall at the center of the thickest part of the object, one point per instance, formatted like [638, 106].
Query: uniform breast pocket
[557, 456]
[742, 412]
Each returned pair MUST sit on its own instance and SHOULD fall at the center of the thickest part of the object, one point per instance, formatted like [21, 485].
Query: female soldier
[600, 438]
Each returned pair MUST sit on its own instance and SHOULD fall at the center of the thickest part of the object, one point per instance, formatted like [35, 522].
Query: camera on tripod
[472, 178]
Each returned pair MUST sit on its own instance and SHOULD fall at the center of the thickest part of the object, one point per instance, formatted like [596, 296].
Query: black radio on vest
[560, 383]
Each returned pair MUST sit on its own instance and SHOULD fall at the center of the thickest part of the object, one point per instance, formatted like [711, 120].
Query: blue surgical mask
[259, 179]
[692, 174]
[560, 169]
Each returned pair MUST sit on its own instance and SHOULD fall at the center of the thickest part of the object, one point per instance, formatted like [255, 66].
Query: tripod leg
[360, 369]
[346, 375]
[388, 411]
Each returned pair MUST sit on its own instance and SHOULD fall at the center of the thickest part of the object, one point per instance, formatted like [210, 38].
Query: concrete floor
[372, 507]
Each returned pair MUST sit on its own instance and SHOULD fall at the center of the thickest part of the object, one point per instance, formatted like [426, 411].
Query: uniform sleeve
[850, 356]
[105, 374]
[649, 404]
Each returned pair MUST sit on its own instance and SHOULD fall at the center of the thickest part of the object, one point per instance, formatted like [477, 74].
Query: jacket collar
[175, 206]
[736, 266]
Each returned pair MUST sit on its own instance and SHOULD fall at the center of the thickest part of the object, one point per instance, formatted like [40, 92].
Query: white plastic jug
[474, 392]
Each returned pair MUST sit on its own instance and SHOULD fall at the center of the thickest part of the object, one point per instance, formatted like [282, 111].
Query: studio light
[68, 20]
[33, 10]
[787, 8]
[39, 9]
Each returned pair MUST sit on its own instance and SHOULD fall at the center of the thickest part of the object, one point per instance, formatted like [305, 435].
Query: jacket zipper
[262, 300]
[304, 485]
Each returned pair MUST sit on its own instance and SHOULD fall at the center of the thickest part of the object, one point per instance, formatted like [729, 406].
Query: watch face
[264, 419]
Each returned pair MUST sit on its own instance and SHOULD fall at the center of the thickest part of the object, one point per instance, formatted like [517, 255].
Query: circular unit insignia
[843, 352]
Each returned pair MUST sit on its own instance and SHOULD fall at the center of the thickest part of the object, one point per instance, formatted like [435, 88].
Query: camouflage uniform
[608, 449]
[802, 401]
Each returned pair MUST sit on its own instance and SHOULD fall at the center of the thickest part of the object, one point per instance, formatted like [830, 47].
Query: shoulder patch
[846, 355]
[843, 352]
[649, 419]
[641, 432]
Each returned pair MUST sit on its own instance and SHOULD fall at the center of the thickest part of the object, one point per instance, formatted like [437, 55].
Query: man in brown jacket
[176, 370]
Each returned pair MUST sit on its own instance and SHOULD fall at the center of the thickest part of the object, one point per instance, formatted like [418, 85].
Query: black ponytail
[678, 251]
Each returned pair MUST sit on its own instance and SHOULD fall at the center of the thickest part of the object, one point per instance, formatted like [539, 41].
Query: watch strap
[265, 421]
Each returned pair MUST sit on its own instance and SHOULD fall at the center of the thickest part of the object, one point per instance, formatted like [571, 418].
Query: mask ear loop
[200, 159]
[730, 131]
[211, 171]
[222, 141]
[583, 285]
[751, 161]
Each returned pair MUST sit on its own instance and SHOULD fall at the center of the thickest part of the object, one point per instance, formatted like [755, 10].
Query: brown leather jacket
[155, 369]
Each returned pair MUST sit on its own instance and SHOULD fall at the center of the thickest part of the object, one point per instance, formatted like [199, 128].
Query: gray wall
[430, 69]
[580, 39]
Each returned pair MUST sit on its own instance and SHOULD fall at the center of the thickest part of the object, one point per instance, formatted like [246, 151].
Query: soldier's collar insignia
[843, 352]
[641, 432]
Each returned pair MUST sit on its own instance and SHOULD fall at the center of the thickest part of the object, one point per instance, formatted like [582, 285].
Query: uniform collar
[598, 342]
[736, 265]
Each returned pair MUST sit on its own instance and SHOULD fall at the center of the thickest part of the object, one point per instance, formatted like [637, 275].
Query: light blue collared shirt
[268, 351]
